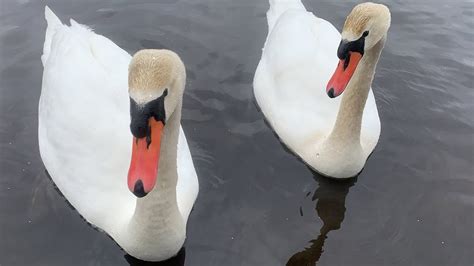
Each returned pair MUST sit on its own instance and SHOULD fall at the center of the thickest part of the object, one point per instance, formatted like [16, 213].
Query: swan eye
[365, 33]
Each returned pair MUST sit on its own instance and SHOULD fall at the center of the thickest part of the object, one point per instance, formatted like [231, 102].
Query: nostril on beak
[331, 93]
[139, 190]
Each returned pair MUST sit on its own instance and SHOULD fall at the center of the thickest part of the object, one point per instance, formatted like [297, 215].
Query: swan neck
[157, 213]
[349, 118]
[167, 176]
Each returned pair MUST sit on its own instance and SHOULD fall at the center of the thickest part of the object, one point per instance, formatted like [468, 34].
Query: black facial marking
[346, 62]
[355, 46]
[141, 114]
[148, 137]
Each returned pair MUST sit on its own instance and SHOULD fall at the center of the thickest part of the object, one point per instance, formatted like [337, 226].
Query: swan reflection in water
[331, 200]
[177, 260]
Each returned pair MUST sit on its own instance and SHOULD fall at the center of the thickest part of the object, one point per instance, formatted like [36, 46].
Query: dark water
[259, 205]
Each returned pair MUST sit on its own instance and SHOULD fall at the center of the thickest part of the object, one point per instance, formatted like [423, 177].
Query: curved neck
[349, 118]
[157, 216]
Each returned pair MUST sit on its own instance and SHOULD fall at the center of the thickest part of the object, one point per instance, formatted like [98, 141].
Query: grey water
[413, 204]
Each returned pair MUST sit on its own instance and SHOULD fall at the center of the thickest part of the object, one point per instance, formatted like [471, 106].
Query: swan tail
[53, 25]
[278, 7]
[82, 29]
[60, 38]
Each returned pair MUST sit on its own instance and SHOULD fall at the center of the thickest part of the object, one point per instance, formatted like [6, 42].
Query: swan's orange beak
[145, 158]
[343, 74]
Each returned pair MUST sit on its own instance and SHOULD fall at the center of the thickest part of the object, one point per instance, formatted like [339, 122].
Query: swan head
[156, 84]
[365, 26]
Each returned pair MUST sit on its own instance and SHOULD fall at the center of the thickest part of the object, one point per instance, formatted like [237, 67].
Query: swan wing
[83, 132]
[289, 85]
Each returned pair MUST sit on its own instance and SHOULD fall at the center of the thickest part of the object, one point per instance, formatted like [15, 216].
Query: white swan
[86, 121]
[333, 136]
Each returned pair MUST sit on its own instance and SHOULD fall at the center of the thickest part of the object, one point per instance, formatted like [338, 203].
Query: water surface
[260, 205]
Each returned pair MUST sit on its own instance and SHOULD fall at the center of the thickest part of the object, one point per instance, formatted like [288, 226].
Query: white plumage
[298, 58]
[84, 135]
